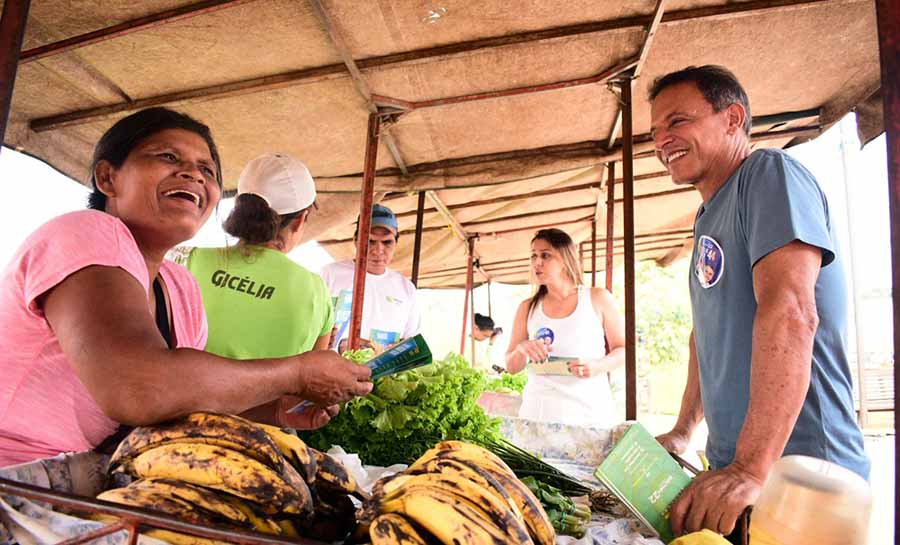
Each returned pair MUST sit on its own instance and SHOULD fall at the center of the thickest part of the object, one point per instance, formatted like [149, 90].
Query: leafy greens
[407, 413]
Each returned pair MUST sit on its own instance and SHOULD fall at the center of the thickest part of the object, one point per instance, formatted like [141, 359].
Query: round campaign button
[545, 333]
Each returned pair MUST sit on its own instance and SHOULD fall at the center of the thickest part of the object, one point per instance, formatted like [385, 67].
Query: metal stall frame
[888, 21]
[133, 519]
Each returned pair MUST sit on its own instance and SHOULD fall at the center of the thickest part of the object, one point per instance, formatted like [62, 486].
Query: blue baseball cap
[382, 216]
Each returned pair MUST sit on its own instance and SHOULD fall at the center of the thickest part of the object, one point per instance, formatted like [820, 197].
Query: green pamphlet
[645, 478]
[409, 354]
[556, 365]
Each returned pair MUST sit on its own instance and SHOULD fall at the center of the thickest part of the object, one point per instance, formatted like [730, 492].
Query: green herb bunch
[567, 517]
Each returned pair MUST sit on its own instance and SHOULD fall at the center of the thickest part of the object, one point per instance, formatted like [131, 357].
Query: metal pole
[847, 145]
[362, 234]
[628, 216]
[888, 17]
[469, 281]
[472, 320]
[610, 221]
[594, 252]
[581, 259]
[12, 29]
[490, 310]
[417, 247]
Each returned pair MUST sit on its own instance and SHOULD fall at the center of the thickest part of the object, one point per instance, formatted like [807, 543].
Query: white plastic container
[807, 501]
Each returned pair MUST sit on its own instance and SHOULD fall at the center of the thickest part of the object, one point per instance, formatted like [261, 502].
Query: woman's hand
[581, 369]
[310, 419]
[536, 351]
[325, 378]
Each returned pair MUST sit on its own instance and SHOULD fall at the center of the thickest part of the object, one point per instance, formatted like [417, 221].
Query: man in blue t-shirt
[768, 364]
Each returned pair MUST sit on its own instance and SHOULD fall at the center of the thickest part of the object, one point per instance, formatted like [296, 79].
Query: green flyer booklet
[556, 365]
[645, 478]
[407, 355]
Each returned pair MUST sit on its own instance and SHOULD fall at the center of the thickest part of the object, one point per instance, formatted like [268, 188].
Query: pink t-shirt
[44, 407]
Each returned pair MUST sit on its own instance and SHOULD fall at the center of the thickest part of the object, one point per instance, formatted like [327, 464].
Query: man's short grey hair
[718, 85]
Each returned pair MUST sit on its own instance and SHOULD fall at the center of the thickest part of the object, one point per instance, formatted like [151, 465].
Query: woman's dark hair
[118, 141]
[718, 85]
[484, 323]
[562, 243]
[254, 222]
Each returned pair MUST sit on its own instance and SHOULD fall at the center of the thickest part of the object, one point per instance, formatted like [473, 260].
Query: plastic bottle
[807, 501]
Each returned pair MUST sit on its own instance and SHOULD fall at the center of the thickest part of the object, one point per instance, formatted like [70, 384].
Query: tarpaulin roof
[301, 77]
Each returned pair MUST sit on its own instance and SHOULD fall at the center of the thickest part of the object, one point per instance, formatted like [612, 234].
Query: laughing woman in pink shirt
[100, 333]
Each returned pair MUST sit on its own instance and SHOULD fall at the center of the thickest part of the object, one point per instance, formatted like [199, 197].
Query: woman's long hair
[562, 243]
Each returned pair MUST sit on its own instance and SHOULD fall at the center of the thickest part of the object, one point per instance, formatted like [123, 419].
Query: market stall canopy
[301, 77]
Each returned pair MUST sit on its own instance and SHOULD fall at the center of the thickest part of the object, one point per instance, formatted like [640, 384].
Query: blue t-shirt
[768, 202]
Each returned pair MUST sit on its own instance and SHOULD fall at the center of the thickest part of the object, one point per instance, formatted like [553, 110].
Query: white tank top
[570, 400]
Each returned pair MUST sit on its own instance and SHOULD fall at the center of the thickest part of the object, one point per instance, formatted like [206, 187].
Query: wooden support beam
[470, 276]
[417, 247]
[454, 224]
[498, 272]
[444, 52]
[128, 27]
[639, 66]
[597, 153]
[888, 17]
[594, 252]
[533, 194]
[602, 77]
[645, 245]
[610, 222]
[362, 241]
[627, 86]
[12, 30]
[359, 82]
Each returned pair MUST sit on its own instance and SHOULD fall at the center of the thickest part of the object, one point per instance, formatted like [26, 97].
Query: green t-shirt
[259, 306]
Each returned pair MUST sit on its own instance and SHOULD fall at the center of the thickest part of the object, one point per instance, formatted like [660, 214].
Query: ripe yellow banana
[473, 451]
[256, 520]
[472, 472]
[294, 451]
[226, 470]
[497, 510]
[539, 526]
[155, 501]
[176, 538]
[332, 475]
[288, 530]
[201, 499]
[392, 529]
[222, 430]
[168, 536]
[452, 520]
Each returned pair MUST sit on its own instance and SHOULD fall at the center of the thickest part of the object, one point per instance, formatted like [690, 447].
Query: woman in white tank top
[566, 319]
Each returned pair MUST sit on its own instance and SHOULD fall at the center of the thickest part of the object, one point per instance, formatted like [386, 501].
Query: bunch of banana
[459, 494]
[224, 471]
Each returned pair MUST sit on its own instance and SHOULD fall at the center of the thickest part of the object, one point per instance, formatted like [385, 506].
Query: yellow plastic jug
[703, 537]
[807, 501]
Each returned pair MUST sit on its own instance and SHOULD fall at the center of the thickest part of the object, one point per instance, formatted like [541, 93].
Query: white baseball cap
[282, 181]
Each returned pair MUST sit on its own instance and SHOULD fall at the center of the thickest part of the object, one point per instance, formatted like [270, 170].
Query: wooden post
[628, 216]
[417, 247]
[594, 252]
[888, 17]
[12, 29]
[610, 221]
[362, 234]
[470, 277]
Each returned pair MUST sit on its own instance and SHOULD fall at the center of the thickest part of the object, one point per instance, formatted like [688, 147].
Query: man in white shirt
[390, 311]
